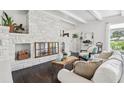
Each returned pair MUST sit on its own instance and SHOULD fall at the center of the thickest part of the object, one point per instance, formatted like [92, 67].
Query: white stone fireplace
[42, 28]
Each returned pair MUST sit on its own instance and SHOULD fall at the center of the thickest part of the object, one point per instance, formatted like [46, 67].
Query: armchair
[85, 55]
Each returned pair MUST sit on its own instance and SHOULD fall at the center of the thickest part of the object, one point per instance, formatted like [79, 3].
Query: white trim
[107, 37]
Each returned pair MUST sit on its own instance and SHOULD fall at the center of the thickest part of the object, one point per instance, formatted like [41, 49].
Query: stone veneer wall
[42, 28]
[5, 65]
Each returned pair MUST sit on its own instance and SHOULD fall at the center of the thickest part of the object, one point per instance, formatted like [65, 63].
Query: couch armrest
[66, 76]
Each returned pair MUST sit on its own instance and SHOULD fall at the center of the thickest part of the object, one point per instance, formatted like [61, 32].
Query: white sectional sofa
[111, 71]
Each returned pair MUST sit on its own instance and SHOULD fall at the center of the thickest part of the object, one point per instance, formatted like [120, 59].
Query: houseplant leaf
[5, 15]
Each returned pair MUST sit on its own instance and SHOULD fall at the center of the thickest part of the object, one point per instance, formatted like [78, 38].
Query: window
[117, 37]
[46, 48]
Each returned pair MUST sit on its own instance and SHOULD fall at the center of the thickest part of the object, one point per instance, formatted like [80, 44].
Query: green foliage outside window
[117, 40]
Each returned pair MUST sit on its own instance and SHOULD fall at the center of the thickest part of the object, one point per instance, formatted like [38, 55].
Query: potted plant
[8, 21]
[74, 35]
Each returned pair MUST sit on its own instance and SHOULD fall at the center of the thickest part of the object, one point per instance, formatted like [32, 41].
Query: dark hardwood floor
[42, 73]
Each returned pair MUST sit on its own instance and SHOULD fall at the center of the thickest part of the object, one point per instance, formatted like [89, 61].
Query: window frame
[50, 50]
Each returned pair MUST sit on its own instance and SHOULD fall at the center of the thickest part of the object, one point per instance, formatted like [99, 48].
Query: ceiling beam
[96, 14]
[122, 12]
[61, 18]
[73, 16]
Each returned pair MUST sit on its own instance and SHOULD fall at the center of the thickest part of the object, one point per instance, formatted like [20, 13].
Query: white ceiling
[84, 16]
[108, 13]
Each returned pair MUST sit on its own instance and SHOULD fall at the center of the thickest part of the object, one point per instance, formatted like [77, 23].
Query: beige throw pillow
[86, 69]
[105, 55]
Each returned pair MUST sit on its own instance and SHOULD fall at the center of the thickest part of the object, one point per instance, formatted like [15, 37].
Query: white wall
[99, 27]
[47, 28]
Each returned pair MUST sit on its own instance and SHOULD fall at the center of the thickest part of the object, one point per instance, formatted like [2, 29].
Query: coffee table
[66, 63]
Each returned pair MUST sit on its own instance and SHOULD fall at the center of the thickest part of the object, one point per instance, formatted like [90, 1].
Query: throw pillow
[86, 69]
[105, 55]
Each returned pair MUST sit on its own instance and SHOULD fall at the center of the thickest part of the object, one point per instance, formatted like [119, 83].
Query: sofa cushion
[86, 69]
[66, 76]
[109, 72]
[117, 55]
[105, 55]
